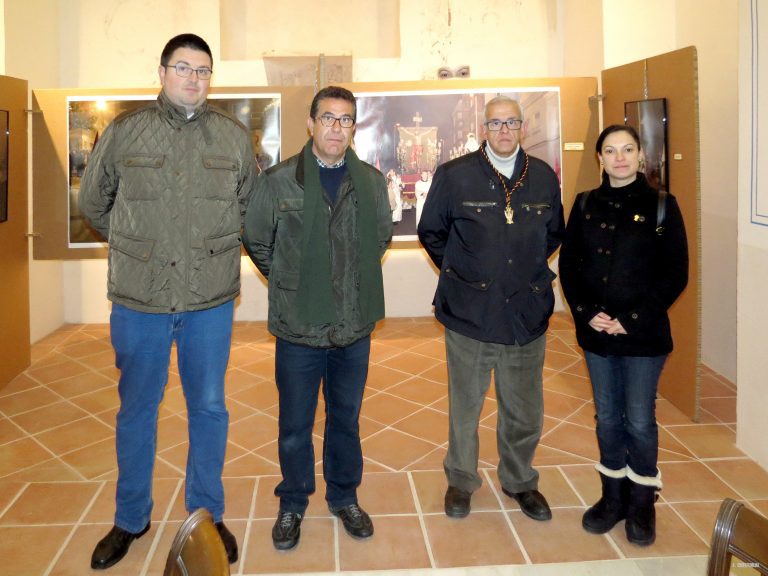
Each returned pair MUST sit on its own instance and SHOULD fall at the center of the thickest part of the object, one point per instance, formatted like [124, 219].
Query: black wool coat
[614, 260]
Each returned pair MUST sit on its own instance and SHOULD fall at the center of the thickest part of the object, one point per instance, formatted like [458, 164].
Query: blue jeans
[299, 371]
[625, 399]
[142, 345]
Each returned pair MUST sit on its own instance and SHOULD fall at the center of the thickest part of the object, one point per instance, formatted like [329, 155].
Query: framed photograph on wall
[88, 116]
[649, 118]
[408, 134]
[4, 135]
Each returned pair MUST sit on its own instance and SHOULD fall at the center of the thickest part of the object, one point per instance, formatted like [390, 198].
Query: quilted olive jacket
[169, 194]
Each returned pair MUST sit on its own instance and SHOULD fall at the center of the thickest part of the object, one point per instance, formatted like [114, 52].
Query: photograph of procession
[407, 135]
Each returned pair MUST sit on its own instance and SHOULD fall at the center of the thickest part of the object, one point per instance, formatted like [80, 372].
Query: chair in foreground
[738, 532]
[197, 549]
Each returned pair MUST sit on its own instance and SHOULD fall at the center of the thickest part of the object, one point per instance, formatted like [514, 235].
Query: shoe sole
[97, 566]
[456, 513]
[285, 546]
[637, 542]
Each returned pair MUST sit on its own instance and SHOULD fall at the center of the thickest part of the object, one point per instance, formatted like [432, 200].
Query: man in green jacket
[167, 186]
[317, 227]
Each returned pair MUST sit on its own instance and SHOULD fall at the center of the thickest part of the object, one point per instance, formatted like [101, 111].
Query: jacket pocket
[540, 302]
[290, 204]
[284, 280]
[131, 273]
[450, 272]
[142, 176]
[221, 263]
[219, 177]
[283, 308]
[139, 248]
[537, 208]
[215, 246]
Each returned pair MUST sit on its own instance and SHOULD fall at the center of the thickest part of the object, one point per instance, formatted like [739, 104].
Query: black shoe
[457, 502]
[287, 530]
[532, 503]
[113, 547]
[356, 521]
[230, 542]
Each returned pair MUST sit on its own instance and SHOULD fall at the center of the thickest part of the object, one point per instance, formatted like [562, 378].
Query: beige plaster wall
[752, 400]
[106, 43]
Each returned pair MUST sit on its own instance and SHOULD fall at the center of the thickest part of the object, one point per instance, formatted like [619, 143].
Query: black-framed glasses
[512, 123]
[185, 71]
[328, 120]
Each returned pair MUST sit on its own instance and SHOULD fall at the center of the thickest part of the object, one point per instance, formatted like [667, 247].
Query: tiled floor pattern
[57, 468]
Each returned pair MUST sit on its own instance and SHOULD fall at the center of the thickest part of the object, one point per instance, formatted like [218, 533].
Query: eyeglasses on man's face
[511, 123]
[328, 120]
[185, 71]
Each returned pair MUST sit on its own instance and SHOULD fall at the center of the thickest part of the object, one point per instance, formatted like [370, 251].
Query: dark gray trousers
[519, 393]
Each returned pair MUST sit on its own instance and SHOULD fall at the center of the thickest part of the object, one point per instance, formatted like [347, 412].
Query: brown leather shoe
[457, 502]
[532, 503]
[113, 547]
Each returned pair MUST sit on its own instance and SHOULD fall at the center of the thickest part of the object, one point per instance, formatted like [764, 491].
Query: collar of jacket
[300, 170]
[638, 186]
[177, 115]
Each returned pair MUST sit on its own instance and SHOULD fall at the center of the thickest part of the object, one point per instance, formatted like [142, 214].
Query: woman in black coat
[623, 262]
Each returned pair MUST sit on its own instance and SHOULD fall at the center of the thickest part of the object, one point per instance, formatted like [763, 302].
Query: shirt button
[509, 261]
[607, 252]
[605, 279]
[173, 308]
[479, 210]
[634, 316]
[482, 284]
[612, 227]
[173, 263]
[587, 216]
[579, 308]
[618, 204]
[599, 250]
[603, 225]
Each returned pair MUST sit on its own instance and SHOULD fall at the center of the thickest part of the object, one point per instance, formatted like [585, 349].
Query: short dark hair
[333, 92]
[184, 41]
[616, 128]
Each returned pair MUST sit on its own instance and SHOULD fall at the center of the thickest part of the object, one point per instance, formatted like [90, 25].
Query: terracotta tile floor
[57, 465]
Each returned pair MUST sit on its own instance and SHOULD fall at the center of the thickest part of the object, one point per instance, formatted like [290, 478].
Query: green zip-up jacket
[169, 194]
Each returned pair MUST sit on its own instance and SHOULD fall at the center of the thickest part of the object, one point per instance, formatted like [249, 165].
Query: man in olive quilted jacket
[167, 186]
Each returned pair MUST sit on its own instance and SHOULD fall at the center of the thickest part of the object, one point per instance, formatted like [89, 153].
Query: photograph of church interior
[58, 380]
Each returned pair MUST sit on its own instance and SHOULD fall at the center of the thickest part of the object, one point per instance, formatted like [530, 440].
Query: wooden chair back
[197, 549]
[738, 532]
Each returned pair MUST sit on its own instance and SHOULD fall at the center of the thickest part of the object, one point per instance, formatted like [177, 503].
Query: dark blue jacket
[495, 284]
